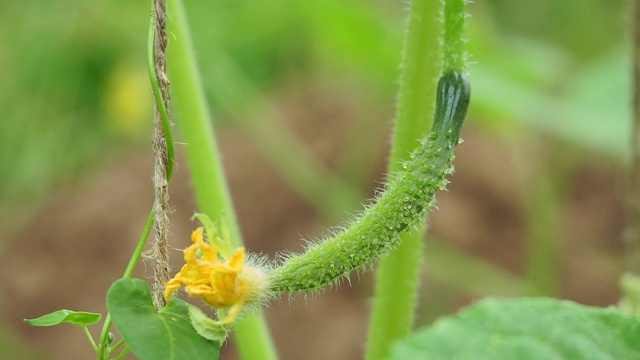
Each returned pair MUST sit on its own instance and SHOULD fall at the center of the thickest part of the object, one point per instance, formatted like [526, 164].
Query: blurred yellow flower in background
[127, 100]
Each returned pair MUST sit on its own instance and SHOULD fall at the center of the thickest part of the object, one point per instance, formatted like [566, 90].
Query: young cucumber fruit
[407, 196]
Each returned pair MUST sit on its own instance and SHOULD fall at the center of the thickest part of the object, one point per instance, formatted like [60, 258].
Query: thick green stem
[397, 275]
[205, 166]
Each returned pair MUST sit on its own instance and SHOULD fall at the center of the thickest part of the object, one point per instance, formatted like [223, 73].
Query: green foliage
[57, 93]
[534, 328]
[78, 318]
[163, 334]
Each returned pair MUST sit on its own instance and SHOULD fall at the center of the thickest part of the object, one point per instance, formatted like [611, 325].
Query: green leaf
[206, 327]
[78, 318]
[526, 329]
[165, 334]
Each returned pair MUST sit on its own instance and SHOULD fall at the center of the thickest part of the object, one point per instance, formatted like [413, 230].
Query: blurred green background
[536, 207]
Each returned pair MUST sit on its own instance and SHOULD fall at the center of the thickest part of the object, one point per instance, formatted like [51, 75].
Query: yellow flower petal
[228, 284]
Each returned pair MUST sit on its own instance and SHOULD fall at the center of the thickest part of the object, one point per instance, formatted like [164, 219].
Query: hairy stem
[395, 301]
[455, 58]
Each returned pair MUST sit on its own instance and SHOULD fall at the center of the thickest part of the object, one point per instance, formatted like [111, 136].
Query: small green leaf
[526, 329]
[78, 318]
[206, 327]
[165, 334]
[211, 230]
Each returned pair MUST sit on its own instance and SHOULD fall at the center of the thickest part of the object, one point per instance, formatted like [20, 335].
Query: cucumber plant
[236, 284]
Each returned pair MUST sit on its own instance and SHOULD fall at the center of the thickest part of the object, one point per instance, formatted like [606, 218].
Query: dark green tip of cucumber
[452, 101]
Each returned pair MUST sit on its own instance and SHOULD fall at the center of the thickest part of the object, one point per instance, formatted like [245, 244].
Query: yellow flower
[227, 283]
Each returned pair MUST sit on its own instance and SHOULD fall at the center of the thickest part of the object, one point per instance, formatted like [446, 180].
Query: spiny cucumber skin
[406, 198]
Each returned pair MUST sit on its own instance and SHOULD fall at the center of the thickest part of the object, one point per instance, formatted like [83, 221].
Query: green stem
[455, 58]
[123, 354]
[142, 242]
[103, 350]
[93, 343]
[117, 345]
[207, 176]
[131, 266]
[395, 300]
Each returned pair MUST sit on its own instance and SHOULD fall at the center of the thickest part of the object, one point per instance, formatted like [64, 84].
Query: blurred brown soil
[71, 251]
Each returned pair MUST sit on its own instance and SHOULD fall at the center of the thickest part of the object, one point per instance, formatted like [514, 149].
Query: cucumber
[407, 196]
